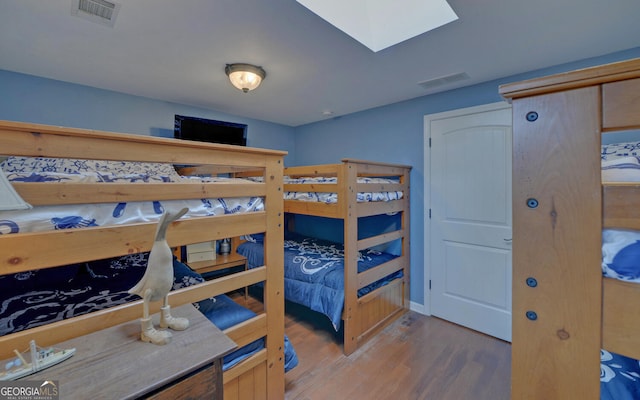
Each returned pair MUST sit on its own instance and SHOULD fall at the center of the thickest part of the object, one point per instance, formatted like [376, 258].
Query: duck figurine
[156, 284]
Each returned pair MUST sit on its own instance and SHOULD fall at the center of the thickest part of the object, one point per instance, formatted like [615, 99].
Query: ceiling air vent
[100, 11]
[444, 80]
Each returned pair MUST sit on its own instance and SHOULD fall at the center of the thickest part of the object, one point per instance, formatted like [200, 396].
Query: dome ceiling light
[245, 77]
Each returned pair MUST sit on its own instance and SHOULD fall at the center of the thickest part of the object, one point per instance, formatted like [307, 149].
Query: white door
[470, 224]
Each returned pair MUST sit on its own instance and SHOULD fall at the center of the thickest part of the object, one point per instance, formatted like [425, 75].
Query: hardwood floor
[416, 357]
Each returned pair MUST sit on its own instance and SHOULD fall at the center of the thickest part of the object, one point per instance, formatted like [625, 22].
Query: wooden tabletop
[115, 364]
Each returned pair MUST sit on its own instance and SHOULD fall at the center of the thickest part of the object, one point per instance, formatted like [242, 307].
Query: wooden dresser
[115, 364]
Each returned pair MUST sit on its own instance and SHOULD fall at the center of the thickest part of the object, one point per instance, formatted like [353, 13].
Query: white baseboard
[417, 307]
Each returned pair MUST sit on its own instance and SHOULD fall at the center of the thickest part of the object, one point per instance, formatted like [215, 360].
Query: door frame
[427, 184]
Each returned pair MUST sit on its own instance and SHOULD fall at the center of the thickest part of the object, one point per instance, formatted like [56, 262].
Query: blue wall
[395, 133]
[391, 133]
[31, 99]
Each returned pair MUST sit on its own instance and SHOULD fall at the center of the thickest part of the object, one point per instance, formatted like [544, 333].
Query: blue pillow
[254, 238]
[184, 276]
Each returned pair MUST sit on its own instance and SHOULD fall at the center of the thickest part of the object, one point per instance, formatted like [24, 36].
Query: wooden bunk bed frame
[364, 316]
[261, 375]
[564, 311]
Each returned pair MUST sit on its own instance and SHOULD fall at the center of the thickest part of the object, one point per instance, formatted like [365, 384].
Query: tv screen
[209, 130]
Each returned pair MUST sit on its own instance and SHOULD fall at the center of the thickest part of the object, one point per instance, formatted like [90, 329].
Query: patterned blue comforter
[314, 272]
[619, 377]
[34, 298]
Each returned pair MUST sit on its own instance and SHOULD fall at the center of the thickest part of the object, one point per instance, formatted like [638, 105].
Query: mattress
[314, 271]
[332, 198]
[43, 218]
[621, 162]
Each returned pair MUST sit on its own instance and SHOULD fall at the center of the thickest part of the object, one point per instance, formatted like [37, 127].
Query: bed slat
[379, 207]
[621, 317]
[620, 104]
[380, 239]
[380, 271]
[38, 194]
[621, 205]
[104, 242]
[311, 187]
[248, 331]
[311, 208]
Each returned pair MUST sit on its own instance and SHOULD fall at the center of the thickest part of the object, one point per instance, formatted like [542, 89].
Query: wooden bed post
[406, 242]
[557, 227]
[351, 314]
[274, 290]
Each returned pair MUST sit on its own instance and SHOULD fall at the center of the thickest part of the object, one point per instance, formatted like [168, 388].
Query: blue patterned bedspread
[34, 298]
[314, 272]
[619, 377]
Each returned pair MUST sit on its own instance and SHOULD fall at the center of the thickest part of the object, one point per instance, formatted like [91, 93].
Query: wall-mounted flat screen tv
[209, 130]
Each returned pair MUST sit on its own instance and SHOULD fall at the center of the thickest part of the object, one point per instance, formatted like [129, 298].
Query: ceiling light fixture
[245, 77]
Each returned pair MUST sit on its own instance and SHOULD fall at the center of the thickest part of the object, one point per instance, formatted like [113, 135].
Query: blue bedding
[225, 313]
[314, 271]
[619, 377]
[34, 298]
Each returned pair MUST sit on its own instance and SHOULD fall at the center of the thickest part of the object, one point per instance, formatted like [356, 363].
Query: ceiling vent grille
[100, 11]
[444, 80]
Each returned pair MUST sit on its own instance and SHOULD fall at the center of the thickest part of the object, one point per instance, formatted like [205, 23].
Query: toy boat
[41, 358]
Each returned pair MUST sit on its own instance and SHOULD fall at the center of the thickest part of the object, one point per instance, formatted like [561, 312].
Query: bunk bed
[355, 283]
[60, 248]
[568, 318]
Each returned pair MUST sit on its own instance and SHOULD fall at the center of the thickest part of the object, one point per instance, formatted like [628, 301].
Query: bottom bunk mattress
[314, 271]
[34, 298]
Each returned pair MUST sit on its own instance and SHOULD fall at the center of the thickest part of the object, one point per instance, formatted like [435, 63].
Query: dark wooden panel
[203, 384]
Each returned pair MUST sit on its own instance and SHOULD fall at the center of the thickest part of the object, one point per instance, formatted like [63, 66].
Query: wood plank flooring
[416, 357]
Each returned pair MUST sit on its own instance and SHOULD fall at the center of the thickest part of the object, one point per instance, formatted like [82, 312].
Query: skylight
[379, 24]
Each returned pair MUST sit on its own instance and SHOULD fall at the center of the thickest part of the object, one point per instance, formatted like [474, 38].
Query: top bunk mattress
[44, 218]
[621, 162]
[330, 198]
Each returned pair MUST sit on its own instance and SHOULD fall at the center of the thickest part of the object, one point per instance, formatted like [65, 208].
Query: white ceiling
[176, 50]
